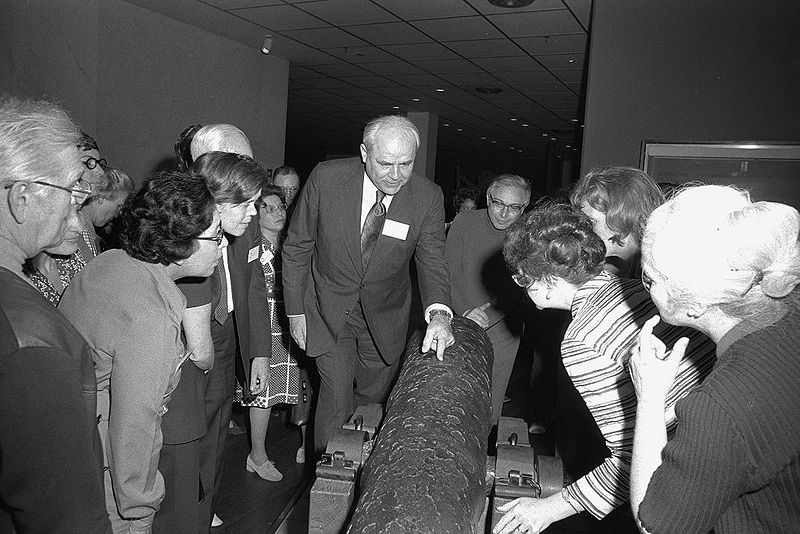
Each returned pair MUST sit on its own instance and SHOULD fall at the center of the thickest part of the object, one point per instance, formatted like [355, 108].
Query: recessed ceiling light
[446, 124]
[483, 137]
[511, 3]
[459, 129]
[512, 147]
[494, 140]
[520, 150]
[569, 146]
[415, 99]
[571, 60]
[581, 125]
[524, 124]
[544, 135]
[395, 107]
[439, 90]
[552, 138]
[573, 120]
[513, 119]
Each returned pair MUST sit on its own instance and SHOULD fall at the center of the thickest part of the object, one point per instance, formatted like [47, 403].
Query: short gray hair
[33, 133]
[510, 180]
[218, 137]
[389, 122]
[714, 246]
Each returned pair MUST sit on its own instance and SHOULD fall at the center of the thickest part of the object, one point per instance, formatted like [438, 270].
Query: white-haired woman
[717, 262]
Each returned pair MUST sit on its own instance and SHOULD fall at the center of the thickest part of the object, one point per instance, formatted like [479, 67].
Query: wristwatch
[439, 311]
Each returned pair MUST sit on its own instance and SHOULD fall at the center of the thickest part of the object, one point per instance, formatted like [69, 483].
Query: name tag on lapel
[252, 254]
[395, 229]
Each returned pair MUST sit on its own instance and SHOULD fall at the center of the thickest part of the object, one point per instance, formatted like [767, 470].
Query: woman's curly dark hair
[162, 219]
[554, 240]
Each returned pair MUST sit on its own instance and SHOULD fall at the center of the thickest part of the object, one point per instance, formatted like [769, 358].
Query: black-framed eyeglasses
[218, 237]
[92, 163]
[80, 192]
[499, 205]
[273, 208]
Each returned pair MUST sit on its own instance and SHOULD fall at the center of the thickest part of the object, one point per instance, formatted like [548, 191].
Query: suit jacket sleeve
[454, 248]
[429, 253]
[299, 245]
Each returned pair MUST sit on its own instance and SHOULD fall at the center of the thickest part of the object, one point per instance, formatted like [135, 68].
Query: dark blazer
[253, 329]
[323, 276]
[52, 460]
[185, 420]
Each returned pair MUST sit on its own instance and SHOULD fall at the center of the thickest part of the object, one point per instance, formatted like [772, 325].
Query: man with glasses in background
[287, 179]
[51, 477]
[480, 285]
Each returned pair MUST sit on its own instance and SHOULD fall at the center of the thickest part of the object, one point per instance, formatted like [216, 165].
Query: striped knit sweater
[608, 313]
[734, 464]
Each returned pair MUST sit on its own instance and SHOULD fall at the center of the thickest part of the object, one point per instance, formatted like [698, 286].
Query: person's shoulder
[337, 167]
[424, 184]
[28, 319]
[471, 216]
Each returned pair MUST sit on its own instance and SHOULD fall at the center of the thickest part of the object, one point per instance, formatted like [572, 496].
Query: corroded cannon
[427, 470]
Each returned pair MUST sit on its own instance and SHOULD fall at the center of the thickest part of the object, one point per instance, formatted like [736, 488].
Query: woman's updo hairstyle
[554, 240]
[713, 245]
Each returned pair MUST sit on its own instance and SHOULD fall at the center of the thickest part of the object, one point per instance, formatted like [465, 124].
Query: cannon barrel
[427, 471]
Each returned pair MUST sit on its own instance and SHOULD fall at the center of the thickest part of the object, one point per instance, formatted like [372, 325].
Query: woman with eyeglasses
[559, 261]
[127, 306]
[96, 175]
[283, 374]
[734, 463]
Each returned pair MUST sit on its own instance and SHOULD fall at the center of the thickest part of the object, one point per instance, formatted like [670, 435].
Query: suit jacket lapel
[399, 210]
[351, 206]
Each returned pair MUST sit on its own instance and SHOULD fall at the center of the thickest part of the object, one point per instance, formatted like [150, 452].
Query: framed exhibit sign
[770, 171]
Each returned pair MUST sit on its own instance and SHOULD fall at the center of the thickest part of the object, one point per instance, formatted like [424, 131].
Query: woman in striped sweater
[559, 261]
[734, 464]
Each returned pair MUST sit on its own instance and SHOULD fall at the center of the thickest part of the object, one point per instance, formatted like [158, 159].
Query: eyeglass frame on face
[219, 237]
[79, 194]
[91, 163]
[499, 205]
[523, 280]
[271, 209]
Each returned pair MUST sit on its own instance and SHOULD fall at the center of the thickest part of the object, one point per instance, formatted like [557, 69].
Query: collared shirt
[368, 192]
[368, 196]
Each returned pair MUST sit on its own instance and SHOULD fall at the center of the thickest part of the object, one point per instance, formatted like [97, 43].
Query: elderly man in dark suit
[51, 472]
[346, 277]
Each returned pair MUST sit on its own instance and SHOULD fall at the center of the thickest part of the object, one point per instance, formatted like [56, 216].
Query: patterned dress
[284, 376]
[68, 267]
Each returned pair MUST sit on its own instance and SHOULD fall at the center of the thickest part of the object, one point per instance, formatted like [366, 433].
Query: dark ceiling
[503, 82]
